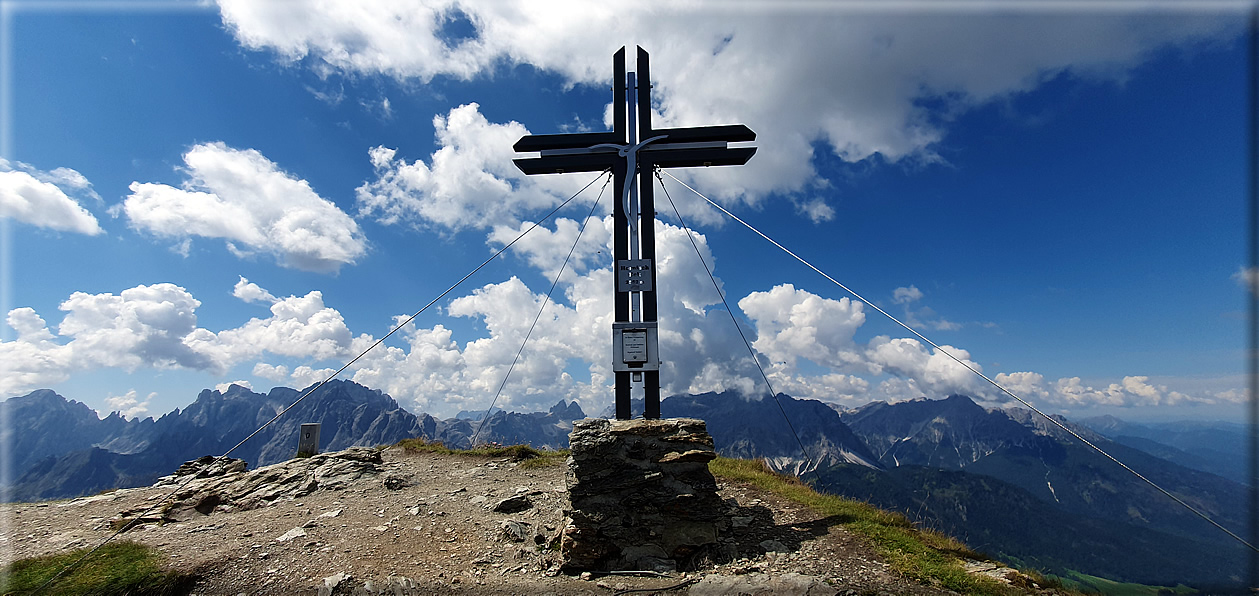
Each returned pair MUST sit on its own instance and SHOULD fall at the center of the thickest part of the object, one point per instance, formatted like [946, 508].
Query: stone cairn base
[641, 496]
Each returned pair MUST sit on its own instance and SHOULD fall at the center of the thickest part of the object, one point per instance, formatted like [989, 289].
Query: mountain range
[61, 448]
[1005, 481]
[1210, 446]
[1013, 484]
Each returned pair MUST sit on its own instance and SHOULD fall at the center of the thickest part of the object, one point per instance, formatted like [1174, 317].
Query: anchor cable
[808, 461]
[973, 370]
[545, 301]
[308, 392]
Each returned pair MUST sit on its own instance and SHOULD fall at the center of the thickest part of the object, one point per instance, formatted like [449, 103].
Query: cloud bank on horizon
[871, 84]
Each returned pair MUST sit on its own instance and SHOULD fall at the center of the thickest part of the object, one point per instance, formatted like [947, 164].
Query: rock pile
[205, 466]
[227, 486]
[641, 496]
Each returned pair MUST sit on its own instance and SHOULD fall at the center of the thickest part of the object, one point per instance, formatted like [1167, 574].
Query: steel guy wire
[973, 370]
[1252, 295]
[807, 460]
[545, 301]
[311, 390]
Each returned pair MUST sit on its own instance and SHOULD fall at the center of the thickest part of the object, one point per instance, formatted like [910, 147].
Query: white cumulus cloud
[1131, 391]
[33, 359]
[933, 371]
[129, 404]
[299, 327]
[851, 80]
[469, 181]
[140, 326]
[817, 210]
[567, 356]
[155, 326]
[793, 324]
[251, 292]
[144, 326]
[906, 295]
[39, 198]
[546, 249]
[245, 199]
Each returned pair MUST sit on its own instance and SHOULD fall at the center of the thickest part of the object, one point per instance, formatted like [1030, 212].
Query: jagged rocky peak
[470, 415]
[567, 411]
[756, 428]
[235, 389]
[953, 432]
[48, 402]
[40, 396]
[128, 453]
[1041, 426]
[350, 389]
[44, 424]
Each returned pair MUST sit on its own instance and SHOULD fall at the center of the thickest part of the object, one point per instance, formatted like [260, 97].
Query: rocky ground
[368, 522]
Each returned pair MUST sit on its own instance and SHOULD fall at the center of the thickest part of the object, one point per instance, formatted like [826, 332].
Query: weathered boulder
[228, 485]
[641, 496]
[208, 465]
[513, 504]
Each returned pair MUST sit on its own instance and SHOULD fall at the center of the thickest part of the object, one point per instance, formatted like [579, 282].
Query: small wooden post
[308, 440]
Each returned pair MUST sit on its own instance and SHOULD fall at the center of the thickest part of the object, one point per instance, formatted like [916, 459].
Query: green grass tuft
[117, 569]
[546, 461]
[1092, 583]
[924, 556]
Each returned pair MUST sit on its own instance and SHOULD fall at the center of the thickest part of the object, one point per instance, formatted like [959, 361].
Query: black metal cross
[629, 153]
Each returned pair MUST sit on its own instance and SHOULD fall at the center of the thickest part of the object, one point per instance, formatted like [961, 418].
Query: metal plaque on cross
[633, 148]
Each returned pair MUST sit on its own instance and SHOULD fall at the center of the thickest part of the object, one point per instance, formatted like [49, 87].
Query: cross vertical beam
[632, 158]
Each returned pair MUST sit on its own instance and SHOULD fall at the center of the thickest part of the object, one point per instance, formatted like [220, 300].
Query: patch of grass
[117, 569]
[528, 456]
[422, 445]
[925, 556]
[1092, 583]
[548, 460]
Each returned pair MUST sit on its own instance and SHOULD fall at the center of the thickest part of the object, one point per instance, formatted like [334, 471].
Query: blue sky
[253, 192]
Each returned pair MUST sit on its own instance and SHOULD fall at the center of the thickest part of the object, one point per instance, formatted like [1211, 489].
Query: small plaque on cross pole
[634, 275]
[630, 151]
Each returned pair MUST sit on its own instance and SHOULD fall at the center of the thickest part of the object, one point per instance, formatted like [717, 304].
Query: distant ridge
[1009, 482]
[1208, 446]
[43, 423]
[111, 453]
[755, 429]
[1003, 480]
[65, 450]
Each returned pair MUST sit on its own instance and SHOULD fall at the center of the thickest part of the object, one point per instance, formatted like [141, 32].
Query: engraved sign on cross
[632, 150]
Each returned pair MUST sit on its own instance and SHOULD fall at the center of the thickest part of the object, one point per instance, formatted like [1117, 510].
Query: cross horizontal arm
[730, 133]
[691, 158]
[559, 164]
[566, 141]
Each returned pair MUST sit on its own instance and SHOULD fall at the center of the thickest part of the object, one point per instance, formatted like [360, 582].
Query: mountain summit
[756, 428]
[80, 457]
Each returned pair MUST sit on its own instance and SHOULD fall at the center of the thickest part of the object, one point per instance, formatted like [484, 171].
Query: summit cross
[631, 150]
